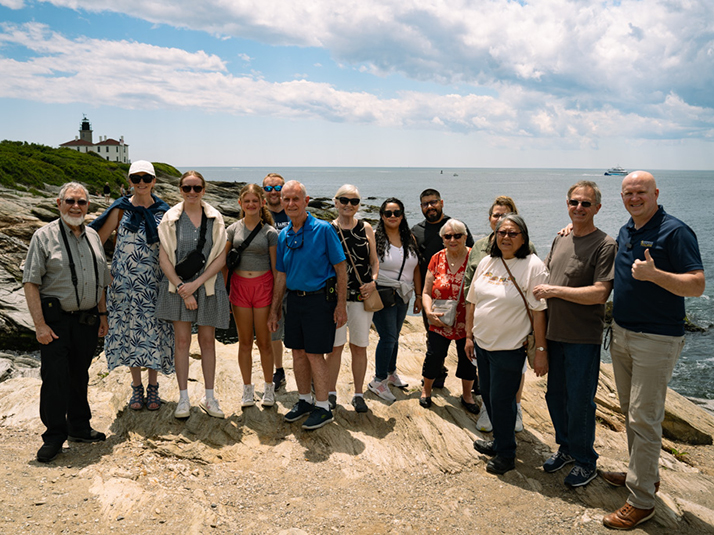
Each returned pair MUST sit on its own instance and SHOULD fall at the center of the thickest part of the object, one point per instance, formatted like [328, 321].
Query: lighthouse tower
[85, 130]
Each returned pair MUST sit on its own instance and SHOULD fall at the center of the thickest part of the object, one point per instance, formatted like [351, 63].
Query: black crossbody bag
[233, 258]
[194, 261]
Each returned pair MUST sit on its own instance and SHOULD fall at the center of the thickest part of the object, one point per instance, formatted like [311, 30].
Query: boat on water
[617, 170]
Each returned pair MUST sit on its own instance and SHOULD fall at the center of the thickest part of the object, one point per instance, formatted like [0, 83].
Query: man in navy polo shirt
[657, 265]
[310, 265]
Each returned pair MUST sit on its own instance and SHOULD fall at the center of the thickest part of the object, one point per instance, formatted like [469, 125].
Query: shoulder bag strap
[242, 247]
[347, 250]
[513, 279]
[202, 237]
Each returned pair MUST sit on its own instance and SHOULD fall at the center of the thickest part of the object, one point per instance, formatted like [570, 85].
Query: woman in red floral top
[444, 280]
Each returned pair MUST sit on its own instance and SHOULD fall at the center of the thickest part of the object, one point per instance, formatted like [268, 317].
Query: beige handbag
[373, 303]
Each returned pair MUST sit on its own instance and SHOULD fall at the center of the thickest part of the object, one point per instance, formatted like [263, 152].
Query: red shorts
[252, 293]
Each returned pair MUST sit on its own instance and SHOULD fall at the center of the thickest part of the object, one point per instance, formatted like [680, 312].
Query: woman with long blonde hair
[251, 288]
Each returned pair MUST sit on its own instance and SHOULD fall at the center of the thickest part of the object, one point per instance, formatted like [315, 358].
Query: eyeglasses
[135, 179]
[575, 202]
[456, 236]
[291, 241]
[427, 204]
[271, 188]
[346, 200]
[509, 233]
[71, 202]
[390, 213]
[187, 189]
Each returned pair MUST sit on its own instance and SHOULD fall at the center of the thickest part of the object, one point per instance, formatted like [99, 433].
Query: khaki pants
[643, 365]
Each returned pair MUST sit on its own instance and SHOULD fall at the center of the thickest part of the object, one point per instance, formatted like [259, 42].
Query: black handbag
[387, 294]
[234, 255]
[194, 261]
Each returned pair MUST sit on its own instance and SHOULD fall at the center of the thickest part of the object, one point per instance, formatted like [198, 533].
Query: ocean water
[540, 196]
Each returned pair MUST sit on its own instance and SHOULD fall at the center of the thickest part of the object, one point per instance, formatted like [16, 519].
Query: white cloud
[545, 78]
[12, 4]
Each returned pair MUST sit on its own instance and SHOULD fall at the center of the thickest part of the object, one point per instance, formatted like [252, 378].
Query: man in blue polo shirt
[657, 265]
[310, 265]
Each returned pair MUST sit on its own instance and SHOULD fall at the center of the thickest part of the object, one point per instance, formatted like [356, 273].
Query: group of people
[290, 278]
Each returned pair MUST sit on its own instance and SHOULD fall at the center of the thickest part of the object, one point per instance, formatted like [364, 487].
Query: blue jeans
[499, 375]
[573, 371]
[388, 323]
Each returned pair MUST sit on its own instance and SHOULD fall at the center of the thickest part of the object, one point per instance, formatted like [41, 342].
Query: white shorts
[359, 322]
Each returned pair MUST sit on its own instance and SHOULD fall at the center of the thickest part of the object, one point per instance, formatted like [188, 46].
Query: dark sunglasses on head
[575, 202]
[187, 189]
[346, 200]
[509, 233]
[390, 213]
[271, 188]
[71, 202]
[135, 179]
[456, 236]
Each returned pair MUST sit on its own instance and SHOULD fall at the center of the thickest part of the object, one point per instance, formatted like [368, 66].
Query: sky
[367, 83]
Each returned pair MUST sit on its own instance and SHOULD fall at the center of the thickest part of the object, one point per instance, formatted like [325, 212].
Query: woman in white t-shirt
[399, 276]
[497, 325]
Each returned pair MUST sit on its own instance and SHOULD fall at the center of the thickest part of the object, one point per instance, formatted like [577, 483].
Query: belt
[301, 293]
[75, 312]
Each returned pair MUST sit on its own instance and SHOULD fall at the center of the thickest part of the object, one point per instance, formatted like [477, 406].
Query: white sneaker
[519, 420]
[211, 407]
[484, 422]
[248, 397]
[381, 389]
[395, 380]
[183, 409]
[269, 395]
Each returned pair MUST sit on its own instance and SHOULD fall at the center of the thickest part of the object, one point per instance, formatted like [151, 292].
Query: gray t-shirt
[576, 262]
[256, 256]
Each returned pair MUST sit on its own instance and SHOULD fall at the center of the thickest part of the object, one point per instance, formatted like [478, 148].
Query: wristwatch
[541, 348]
[105, 313]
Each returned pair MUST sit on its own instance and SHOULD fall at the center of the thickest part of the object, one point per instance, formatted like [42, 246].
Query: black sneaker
[88, 436]
[359, 404]
[500, 465]
[318, 417]
[279, 378]
[580, 476]
[332, 400]
[557, 461]
[48, 452]
[300, 409]
[485, 447]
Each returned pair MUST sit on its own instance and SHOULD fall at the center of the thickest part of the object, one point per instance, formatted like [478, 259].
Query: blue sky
[421, 83]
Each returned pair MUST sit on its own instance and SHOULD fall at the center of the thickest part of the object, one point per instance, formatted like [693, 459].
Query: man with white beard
[64, 277]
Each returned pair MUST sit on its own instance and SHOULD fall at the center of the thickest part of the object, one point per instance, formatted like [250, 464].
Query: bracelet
[417, 297]
[105, 313]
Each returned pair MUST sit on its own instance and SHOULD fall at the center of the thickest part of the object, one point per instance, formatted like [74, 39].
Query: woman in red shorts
[251, 288]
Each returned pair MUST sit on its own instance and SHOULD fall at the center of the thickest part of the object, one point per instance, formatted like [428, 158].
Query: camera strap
[72, 269]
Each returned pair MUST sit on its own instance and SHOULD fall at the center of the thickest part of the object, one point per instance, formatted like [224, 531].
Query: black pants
[436, 354]
[64, 408]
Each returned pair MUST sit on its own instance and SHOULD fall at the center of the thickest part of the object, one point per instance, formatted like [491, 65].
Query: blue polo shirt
[307, 256]
[642, 306]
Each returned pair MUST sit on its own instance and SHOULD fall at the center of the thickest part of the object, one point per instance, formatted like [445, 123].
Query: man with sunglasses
[429, 242]
[581, 267]
[272, 185]
[64, 278]
[311, 266]
[657, 265]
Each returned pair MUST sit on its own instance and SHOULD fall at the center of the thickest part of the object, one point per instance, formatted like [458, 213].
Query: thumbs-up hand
[644, 270]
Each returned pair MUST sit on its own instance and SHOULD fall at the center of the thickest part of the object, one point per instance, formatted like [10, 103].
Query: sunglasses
[135, 179]
[71, 202]
[575, 202]
[427, 204]
[187, 189]
[456, 236]
[509, 233]
[390, 213]
[271, 188]
[347, 200]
